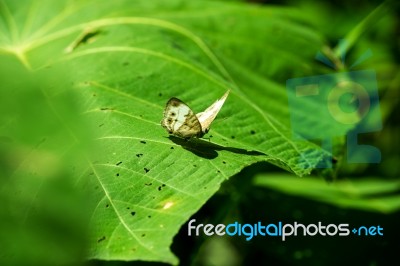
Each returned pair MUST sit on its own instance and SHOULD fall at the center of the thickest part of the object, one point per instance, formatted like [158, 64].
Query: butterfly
[179, 120]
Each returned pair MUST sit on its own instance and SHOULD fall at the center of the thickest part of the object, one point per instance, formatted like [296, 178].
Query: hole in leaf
[118, 163]
[146, 170]
[139, 154]
[117, 174]
[86, 37]
[106, 109]
[133, 213]
[252, 132]
[142, 141]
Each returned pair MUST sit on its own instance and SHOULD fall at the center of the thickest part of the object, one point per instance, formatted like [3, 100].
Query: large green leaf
[125, 60]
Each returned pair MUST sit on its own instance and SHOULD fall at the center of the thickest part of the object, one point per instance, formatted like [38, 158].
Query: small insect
[181, 121]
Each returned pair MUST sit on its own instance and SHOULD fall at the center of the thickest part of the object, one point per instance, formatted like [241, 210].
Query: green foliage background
[89, 176]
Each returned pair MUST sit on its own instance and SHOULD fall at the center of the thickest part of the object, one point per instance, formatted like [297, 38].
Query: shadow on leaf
[208, 150]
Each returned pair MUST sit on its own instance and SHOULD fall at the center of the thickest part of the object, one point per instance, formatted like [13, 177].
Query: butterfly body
[181, 121]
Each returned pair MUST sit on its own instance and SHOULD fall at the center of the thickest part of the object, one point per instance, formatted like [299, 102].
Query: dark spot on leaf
[143, 235]
[169, 120]
[140, 115]
[125, 63]
[194, 165]
[133, 213]
[146, 170]
[127, 208]
[218, 171]
[91, 173]
[176, 46]
[252, 132]
[154, 197]
[149, 216]
[88, 36]
[94, 95]
[223, 162]
[96, 187]
[117, 174]
[163, 185]
[160, 94]
[101, 125]
[210, 136]
[118, 163]
[139, 154]
[107, 205]
[159, 188]
[101, 239]
[106, 109]
[205, 187]
[142, 141]
[172, 148]
[173, 114]
[148, 184]
[232, 137]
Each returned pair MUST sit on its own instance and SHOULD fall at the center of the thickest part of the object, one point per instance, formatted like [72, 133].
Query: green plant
[92, 78]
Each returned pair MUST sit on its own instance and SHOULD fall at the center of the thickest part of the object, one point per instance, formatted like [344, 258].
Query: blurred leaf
[352, 37]
[371, 194]
[125, 60]
[42, 219]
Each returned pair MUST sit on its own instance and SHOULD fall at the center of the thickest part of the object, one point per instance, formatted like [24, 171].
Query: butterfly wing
[179, 120]
[207, 117]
